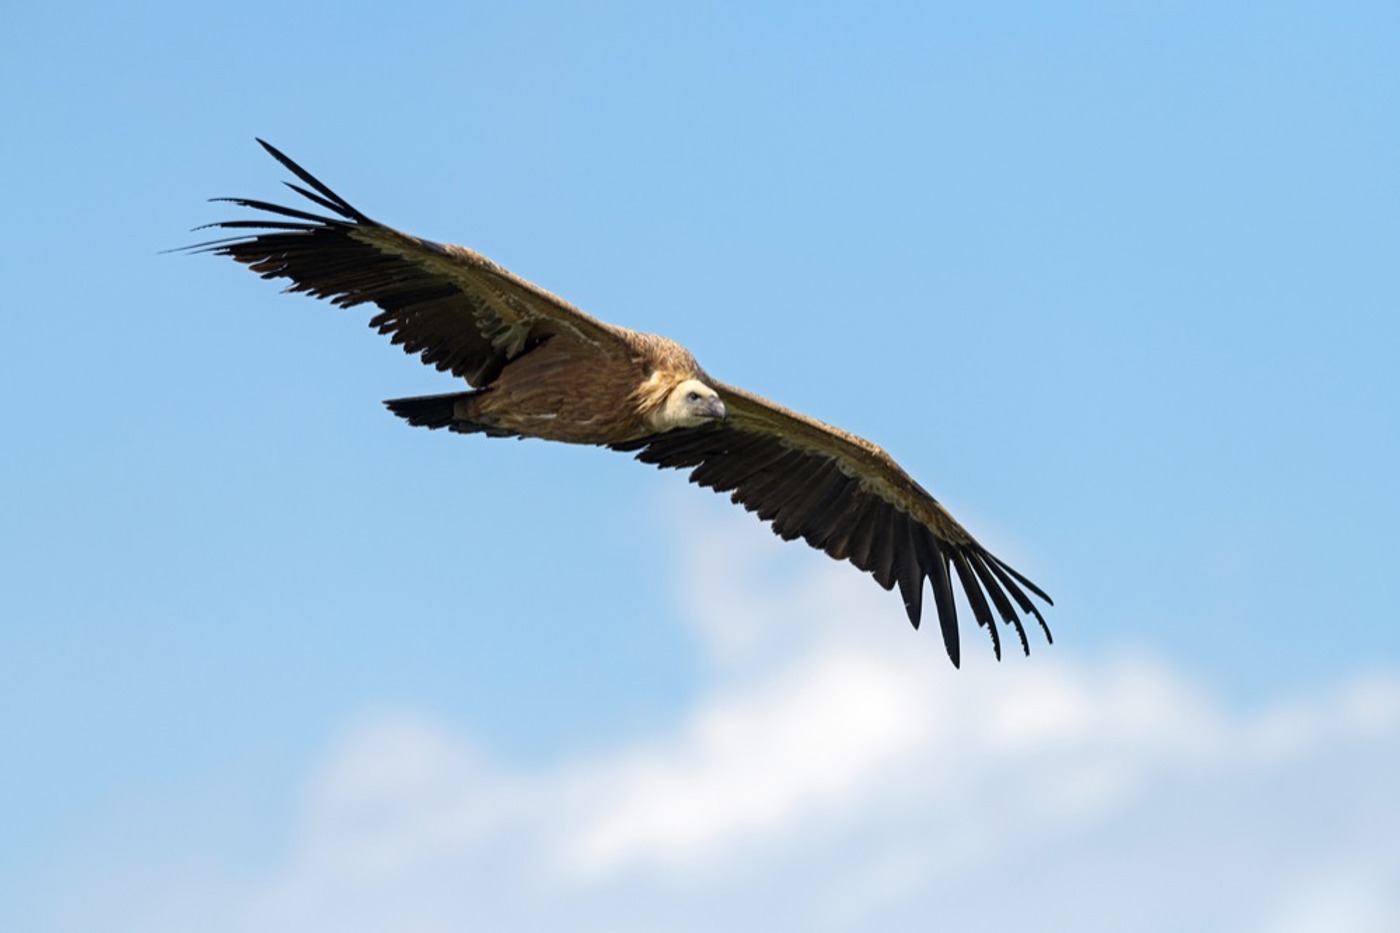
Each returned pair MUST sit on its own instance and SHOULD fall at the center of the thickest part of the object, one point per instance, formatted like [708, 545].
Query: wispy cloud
[837, 774]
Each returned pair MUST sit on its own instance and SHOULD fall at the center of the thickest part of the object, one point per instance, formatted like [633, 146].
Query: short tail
[428, 411]
[442, 411]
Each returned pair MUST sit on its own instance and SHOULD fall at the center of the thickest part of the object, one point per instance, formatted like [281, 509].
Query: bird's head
[690, 404]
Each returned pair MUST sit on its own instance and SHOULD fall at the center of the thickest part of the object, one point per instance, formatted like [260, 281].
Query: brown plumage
[539, 367]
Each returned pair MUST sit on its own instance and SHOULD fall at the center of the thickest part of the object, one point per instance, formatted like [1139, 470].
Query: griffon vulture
[539, 367]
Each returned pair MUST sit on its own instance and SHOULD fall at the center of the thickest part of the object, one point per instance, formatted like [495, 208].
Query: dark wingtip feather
[1026, 583]
[278, 209]
[313, 196]
[935, 563]
[336, 202]
[990, 584]
[908, 573]
[258, 225]
[207, 246]
[912, 591]
[1008, 577]
[975, 599]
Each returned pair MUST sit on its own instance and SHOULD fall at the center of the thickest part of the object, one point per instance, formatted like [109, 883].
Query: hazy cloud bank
[836, 775]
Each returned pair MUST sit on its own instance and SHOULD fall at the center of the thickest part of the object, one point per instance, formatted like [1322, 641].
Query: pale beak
[714, 408]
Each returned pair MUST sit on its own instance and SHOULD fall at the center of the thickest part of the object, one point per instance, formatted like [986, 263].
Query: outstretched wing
[845, 496]
[455, 308]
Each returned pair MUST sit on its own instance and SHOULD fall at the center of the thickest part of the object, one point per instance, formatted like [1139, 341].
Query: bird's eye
[692, 397]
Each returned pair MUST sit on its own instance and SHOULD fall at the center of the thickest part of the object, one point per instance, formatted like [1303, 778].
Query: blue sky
[1116, 281]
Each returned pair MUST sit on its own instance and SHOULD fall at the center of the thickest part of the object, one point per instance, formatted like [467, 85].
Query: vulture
[536, 366]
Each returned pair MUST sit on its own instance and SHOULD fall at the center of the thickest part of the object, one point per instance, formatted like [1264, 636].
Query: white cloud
[838, 774]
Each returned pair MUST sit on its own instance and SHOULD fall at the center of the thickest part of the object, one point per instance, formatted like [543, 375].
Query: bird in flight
[536, 366]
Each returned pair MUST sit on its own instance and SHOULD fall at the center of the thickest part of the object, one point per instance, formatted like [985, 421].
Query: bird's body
[539, 367]
[539, 394]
